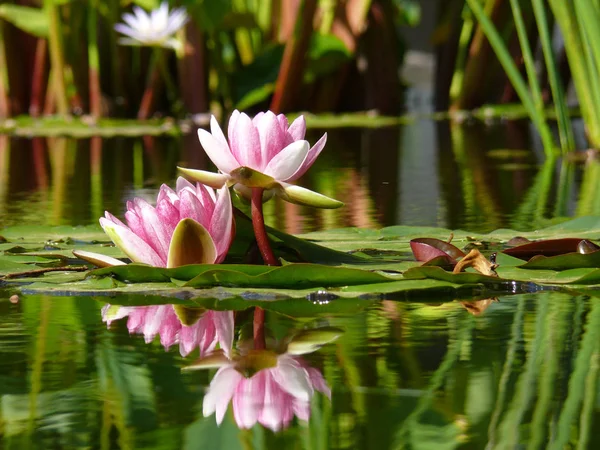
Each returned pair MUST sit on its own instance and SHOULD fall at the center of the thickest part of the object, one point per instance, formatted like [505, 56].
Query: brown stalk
[289, 80]
[38, 79]
[193, 79]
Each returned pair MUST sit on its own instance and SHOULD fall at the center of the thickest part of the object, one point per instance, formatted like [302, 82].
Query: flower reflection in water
[266, 386]
[204, 330]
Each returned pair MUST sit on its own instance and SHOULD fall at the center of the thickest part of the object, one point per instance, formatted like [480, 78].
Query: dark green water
[522, 374]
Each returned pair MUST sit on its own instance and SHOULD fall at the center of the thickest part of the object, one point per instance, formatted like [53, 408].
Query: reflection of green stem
[57, 57]
[516, 333]
[138, 165]
[534, 205]
[590, 346]
[258, 222]
[59, 178]
[38, 361]
[4, 170]
[565, 183]
[589, 200]
[524, 392]
[548, 369]
[455, 346]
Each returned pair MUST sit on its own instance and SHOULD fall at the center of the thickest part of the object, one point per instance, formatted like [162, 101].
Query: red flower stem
[259, 329]
[258, 223]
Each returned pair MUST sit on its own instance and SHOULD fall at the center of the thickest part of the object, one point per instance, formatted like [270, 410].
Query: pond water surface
[523, 372]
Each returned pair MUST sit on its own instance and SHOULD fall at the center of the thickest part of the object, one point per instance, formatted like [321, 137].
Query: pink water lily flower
[203, 332]
[271, 397]
[193, 224]
[266, 152]
[270, 385]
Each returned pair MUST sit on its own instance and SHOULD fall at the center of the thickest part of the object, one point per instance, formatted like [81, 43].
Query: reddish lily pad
[551, 247]
[427, 249]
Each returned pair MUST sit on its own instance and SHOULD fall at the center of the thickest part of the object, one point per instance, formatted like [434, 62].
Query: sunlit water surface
[524, 373]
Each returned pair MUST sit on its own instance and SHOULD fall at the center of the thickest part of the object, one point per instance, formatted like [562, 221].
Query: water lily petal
[220, 391]
[224, 323]
[313, 154]
[219, 154]
[191, 244]
[248, 399]
[293, 378]
[245, 142]
[124, 29]
[318, 382]
[214, 180]
[133, 246]
[272, 138]
[297, 129]
[287, 161]
[221, 224]
[302, 196]
[98, 259]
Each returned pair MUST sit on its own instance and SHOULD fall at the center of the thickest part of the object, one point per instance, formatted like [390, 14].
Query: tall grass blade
[94, 62]
[514, 76]
[57, 58]
[565, 15]
[565, 133]
[4, 92]
[462, 54]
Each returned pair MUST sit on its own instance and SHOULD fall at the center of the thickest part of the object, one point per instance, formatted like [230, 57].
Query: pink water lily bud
[203, 332]
[189, 225]
[266, 152]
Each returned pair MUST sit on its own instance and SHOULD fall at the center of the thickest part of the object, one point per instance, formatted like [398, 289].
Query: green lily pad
[563, 262]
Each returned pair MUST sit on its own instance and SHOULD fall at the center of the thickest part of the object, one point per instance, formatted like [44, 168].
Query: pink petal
[221, 224]
[113, 219]
[276, 412]
[218, 153]
[220, 391]
[272, 138]
[248, 399]
[286, 163]
[313, 153]
[245, 143]
[297, 129]
[318, 382]
[206, 196]
[293, 378]
[216, 131]
[301, 409]
[190, 207]
[131, 244]
[224, 323]
[283, 123]
[235, 115]
[157, 234]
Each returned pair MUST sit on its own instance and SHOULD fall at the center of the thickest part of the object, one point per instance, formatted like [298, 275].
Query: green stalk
[4, 86]
[567, 142]
[532, 76]
[57, 58]
[461, 56]
[514, 76]
[94, 62]
[566, 18]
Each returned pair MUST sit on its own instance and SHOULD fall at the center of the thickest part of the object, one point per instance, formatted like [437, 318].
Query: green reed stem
[57, 57]
[532, 76]
[464, 41]
[567, 142]
[566, 18]
[515, 77]
[93, 62]
[161, 60]
[4, 86]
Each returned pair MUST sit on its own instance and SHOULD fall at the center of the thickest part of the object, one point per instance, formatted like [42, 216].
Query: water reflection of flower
[204, 331]
[264, 385]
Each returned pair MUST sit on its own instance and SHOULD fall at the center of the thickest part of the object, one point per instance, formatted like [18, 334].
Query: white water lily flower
[154, 29]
